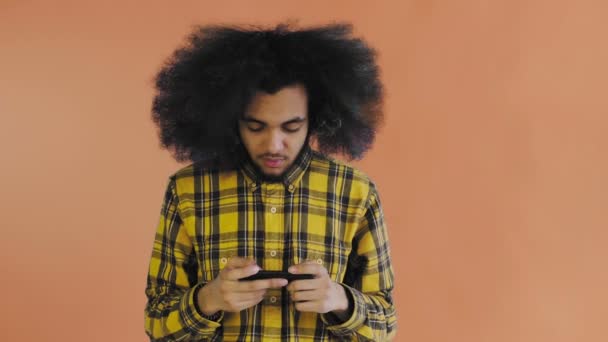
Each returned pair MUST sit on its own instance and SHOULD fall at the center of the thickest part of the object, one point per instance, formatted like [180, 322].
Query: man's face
[274, 129]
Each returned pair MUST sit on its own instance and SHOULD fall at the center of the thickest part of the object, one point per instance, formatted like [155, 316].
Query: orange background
[491, 165]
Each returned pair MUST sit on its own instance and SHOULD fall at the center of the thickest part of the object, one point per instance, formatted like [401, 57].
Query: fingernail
[292, 270]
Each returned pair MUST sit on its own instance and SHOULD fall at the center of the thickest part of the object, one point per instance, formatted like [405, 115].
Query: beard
[272, 178]
[269, 178]
[264, 177]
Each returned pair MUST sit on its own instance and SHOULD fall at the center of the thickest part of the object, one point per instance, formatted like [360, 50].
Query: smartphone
[277, 274]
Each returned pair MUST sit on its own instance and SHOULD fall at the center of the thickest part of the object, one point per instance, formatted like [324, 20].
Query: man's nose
[275, 142]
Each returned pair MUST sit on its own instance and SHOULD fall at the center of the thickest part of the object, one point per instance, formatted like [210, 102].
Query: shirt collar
[290, 178]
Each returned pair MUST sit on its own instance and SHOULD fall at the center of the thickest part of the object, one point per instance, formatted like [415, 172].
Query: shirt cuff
[194, 322]
[355, 321]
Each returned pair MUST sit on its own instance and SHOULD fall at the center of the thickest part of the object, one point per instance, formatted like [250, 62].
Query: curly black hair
[205, 87]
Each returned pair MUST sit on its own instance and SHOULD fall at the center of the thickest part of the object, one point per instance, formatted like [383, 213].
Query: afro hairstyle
[204, 88]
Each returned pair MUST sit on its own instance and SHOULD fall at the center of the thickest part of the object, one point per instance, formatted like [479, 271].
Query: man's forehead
[281, 105]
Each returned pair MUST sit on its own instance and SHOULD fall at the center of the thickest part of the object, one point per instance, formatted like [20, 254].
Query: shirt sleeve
[171, 313]
[369, 280]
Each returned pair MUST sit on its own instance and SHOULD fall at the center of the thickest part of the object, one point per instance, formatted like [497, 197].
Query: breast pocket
[212, 262]
[332, 258]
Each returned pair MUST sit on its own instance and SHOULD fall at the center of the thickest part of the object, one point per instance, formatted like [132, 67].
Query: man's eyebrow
[248, 119]
[294, 120]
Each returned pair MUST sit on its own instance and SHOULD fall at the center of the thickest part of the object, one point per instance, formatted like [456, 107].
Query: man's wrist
[203, 304]
[345, 310]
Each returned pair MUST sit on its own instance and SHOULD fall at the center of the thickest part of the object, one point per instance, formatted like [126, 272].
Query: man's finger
[309, 306]
[250, 303]
[300, 296]
[240, 272]
[308, 267]
[238, 262]
[305, 285]
[248, 296]
[239, 305]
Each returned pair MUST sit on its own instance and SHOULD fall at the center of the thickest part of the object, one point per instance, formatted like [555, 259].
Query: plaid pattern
[323, 211]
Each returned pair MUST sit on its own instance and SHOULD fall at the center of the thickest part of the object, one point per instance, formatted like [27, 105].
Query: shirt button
[273, 299]
[291, 187]
[273, 210]
[320, 261]
[273, 253]
[224, 260]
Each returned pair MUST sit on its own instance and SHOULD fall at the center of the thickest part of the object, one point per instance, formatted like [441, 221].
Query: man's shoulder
[186, 176]
[203, 168]
[324, 164]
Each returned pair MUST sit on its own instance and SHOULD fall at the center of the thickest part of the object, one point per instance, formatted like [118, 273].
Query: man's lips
[273, 162]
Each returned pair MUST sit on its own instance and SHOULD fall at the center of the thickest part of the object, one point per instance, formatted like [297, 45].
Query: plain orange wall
[491, 165]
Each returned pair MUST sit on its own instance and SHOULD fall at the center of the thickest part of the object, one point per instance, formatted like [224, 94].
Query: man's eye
[255, 128]
[292, 127]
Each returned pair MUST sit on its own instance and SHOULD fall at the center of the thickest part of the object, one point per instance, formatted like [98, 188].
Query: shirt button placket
[274, 221]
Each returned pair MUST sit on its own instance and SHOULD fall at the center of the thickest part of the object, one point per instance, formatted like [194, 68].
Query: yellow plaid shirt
[323, 210]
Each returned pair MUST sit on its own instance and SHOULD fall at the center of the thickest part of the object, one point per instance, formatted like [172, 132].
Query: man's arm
[368, 281]
[171, 313]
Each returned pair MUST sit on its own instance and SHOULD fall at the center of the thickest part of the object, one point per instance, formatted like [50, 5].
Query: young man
[245, 106]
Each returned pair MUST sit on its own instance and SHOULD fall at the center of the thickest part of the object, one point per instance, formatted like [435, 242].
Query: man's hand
[320, 294]
[227, 293]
